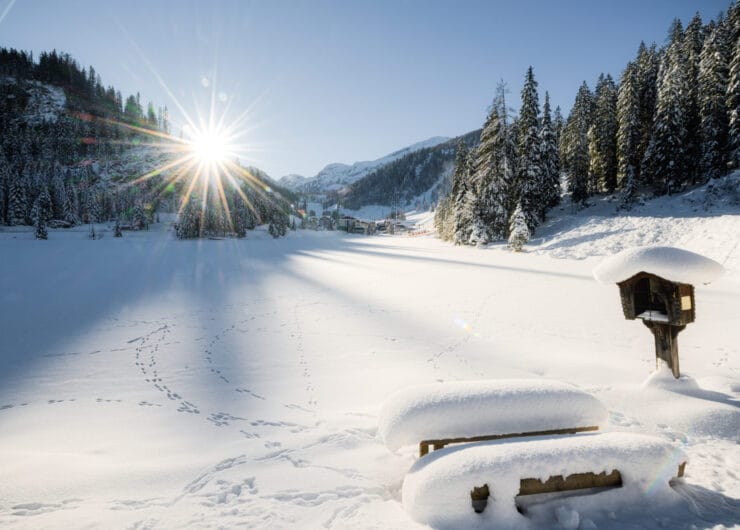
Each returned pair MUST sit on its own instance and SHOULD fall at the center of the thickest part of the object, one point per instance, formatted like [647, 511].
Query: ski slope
[154, 383]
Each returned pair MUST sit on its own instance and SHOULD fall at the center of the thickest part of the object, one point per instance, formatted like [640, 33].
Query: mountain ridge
[337, 175]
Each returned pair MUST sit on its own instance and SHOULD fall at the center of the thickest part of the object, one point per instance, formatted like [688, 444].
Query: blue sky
[341, 81]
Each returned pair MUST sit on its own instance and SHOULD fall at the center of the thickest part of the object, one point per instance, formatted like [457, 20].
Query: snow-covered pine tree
[17, 204]
[647, 89]
[491, 192]
[693, 40]
[460, 212]
[664, 159]
[273, 228]
[733, 106]
[603, 137]
[41, 214]
[713, 128]
[628, 133]
[518, 230]
[575, 144]
[139, 218]
[188, 223]
[549, 160]
[530, 181]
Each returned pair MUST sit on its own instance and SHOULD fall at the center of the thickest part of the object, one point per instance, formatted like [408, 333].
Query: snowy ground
[150, 382]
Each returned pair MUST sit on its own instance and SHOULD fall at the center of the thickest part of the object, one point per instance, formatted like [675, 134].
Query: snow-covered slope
[44, 102]
[336, 176]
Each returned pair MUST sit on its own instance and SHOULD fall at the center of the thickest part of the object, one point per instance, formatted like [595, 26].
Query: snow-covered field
[154, 383]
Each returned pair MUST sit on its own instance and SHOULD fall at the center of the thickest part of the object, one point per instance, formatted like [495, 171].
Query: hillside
[335, 177]
[424, 172]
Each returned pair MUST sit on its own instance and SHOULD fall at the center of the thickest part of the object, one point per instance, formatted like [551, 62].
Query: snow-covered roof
[480, 408]
[673, 264]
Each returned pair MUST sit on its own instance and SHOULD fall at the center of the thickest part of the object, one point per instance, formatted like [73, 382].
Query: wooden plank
[439, 444]
[576, 481]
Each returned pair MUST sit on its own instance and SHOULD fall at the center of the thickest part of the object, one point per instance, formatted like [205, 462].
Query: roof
[670, 263]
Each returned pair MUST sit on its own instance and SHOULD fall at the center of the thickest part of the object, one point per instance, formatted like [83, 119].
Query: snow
[45, 102]
[169, 384]
[478, 408]
[436, 491]
[674, 264]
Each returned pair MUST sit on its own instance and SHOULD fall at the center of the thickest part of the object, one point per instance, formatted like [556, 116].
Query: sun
[210, 147]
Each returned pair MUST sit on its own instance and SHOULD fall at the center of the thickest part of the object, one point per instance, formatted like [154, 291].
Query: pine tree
[17, 205]
[549, 160]
[42, 214]
[713, 73]
[189, 220]
[273, 229]
[664, 159]
[603, 137]
[647, 89]
[457, 221]
[575, 144]
[628, 132]
[488, 199]
[530, 176]
[693, 40]
[733, 105]
[518, 229]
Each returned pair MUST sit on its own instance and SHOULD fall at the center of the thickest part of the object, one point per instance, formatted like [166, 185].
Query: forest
[671, 121]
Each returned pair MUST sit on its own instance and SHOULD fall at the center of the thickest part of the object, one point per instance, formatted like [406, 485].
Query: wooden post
[666, 343]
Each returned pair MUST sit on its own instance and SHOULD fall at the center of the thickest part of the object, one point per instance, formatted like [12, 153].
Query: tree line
[672, 121]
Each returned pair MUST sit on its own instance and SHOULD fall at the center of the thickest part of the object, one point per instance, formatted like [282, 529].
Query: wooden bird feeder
[664, 305]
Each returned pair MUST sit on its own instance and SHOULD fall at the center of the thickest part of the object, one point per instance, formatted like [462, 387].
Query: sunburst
[206, 156]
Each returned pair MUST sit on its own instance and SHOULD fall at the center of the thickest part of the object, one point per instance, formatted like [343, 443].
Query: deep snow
[162, 383]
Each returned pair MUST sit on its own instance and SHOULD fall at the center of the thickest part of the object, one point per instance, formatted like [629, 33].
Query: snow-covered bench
[437, 415]
[437, 489]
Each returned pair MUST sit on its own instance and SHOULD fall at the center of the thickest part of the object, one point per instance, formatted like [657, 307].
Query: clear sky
[346, 80]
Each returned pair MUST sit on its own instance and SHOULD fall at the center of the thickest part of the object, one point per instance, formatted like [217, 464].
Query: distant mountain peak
[337, 175]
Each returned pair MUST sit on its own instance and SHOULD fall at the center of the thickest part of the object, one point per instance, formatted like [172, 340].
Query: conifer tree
[575, 144]
[41, 214]
[713, 72]
[188, 223]
[518, 230]
[17, 205]
[664, 159]
[530, 176]
[490, 196]
[628, 133]
[647, 89]
[549, 160]
[603, 137]
[733, 105]
[693, 40]
[457, 213]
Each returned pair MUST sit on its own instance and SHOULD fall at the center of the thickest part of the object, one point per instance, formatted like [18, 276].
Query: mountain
[337, 176]
[419, 175]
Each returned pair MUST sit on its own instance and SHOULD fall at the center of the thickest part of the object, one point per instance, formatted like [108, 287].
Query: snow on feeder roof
[670, 263]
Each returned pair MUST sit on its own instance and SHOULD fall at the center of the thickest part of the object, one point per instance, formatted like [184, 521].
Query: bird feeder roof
[670, 263]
